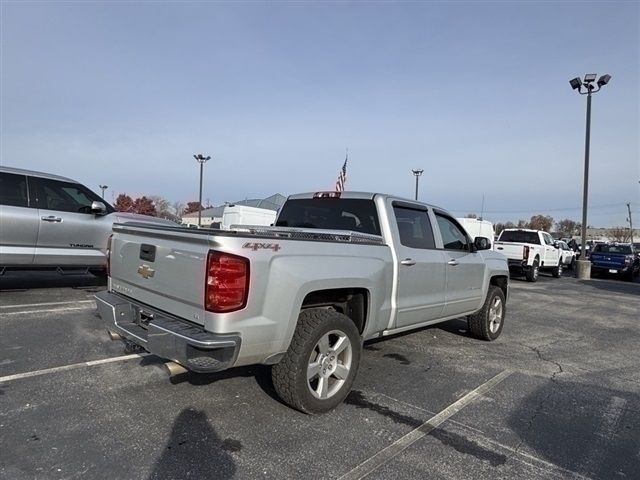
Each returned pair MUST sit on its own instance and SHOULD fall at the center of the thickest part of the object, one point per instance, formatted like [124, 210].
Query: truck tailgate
[608, 260]
[512, 250]
[160, 268]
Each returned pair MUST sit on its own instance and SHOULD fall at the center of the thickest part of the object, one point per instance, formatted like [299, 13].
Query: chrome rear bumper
[168, 337]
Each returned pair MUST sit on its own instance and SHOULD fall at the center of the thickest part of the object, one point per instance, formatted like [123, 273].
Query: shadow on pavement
[17, 280]
[582, 427]
[195, 450]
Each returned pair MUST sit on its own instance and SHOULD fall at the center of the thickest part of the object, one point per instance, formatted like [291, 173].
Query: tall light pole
[417, 173]
[201, 159]
[584, 265]
[103, 188]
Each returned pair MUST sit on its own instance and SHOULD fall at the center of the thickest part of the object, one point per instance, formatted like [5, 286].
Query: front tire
[317, 371]
[487, 323]
[557, 271]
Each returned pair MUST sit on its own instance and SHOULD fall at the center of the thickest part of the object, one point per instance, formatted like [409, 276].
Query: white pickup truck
[337, 269]
[529, 251]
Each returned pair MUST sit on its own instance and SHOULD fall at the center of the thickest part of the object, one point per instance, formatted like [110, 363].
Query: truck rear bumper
[168, 337]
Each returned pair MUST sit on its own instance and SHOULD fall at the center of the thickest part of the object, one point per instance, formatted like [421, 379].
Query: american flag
[342, 177]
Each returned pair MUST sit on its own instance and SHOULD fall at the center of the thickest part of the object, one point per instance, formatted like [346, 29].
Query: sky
[475, 93]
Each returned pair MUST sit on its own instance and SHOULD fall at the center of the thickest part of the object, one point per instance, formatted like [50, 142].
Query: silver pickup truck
[336, 269]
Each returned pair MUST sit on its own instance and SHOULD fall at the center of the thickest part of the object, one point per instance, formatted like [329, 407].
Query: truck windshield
[358, 215]
[519, 236]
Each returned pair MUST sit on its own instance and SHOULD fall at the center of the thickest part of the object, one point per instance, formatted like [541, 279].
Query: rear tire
[317, 371]
[532, 274]
[487, 323]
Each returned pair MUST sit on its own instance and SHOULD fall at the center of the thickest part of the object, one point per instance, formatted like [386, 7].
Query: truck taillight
[108, 253]
[525, 252]
[227, 282]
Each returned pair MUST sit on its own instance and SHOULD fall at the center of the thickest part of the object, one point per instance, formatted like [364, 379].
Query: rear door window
[414, 227]
[13, 190]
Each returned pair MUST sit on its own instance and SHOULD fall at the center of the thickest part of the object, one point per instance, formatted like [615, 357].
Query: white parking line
[73, 366]
[48, 304]
[51, 310]
[383, 456]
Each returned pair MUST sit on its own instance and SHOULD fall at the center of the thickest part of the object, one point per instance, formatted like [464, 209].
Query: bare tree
[619, 234]
[568, 227]
[499, 227]
[541, 222]
[178, 208]
[471, 215]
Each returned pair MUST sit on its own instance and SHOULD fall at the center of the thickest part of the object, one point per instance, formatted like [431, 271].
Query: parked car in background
[530, 251]
[52, 222]
[617, 258]
[568, 254]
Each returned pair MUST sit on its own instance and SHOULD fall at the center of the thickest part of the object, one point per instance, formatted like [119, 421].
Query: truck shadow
[261, 374]
[194, 449]
[581, 427]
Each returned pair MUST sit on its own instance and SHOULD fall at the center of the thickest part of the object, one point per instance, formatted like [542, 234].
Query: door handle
[408, 261]
[452, 262]
[51, 218]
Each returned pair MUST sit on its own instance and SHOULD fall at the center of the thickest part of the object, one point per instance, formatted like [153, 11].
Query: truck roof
[521, 230]
[33, 173]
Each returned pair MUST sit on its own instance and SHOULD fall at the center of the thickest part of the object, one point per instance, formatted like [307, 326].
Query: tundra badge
[146, 271]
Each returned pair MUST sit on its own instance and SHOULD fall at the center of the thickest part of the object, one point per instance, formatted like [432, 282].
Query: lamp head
[604, 79]
[590, 77]
[575, 83]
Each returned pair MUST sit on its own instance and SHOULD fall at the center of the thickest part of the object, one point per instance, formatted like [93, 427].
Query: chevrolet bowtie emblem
[146, 271]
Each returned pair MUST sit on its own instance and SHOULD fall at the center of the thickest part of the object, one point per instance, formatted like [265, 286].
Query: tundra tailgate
[160, 268]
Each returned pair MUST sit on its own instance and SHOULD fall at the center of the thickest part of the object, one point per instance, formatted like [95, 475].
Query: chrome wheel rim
[329, 364]
[495, 314]
[535, 272]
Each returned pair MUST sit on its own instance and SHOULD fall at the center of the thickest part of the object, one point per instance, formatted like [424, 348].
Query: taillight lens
[109, 240]
[525, 252]
[227, 282]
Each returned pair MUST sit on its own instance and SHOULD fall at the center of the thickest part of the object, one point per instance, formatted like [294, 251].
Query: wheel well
[502, 282]
[352, 302]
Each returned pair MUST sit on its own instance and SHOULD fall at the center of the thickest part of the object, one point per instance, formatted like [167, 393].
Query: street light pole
[583, 270]
[201, 159]
[103, 188]
[417, 173]
[585, 188]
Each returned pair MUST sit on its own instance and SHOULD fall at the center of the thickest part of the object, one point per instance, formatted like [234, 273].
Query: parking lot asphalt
[556, 396]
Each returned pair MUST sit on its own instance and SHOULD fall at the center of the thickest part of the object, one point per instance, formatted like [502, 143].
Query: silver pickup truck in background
[52, 222]
[337, 269]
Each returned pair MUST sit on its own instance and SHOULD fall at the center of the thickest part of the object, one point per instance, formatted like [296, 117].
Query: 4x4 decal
[255, 246]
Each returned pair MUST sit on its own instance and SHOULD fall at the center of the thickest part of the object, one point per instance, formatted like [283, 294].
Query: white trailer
[244, 215]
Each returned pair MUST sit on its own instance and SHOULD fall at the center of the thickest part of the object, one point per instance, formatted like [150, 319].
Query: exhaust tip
[174, 369]
[114, 335]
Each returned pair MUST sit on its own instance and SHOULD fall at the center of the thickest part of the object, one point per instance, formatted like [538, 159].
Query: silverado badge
[146, 271]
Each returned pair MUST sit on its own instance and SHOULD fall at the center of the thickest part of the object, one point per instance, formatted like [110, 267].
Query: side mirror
[98, 208]
[482, 243]
[556, 244]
